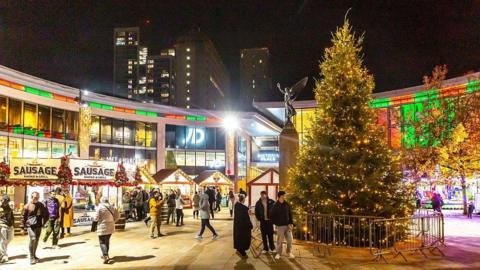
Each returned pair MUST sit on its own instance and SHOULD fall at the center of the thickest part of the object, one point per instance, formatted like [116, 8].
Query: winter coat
[155, 207]
[260, 211]
[53, 207]
[242, 227]
[204, 207]
[6, 216]
[106, 221]
[67, 211]
[280, 214]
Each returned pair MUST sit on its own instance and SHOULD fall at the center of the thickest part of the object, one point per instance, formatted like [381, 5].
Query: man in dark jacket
[242, 227]
[6, 227]
[281, 216]
[53, 224]
[35, 216]
[262, 211]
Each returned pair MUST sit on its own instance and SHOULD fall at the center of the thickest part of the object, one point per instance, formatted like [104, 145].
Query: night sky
[71, 43]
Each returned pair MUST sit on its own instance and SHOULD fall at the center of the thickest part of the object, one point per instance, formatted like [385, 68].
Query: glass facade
[194, 148]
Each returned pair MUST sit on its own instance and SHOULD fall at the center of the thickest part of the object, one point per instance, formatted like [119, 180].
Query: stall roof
[172, 176]
[213, 177]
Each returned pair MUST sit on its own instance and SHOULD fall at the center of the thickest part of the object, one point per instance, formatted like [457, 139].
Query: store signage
[83, 169]
[34, 169]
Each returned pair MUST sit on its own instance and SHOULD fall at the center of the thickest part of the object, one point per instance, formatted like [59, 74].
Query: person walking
[67, 213]
[35, 215]
[470, 210]
[262, 211]
[179, 202]
[106, 216]
[53, 224]
[205, 217]
[242, 227]
[171, 204]
[231, 202]
[156, 205]
[6, 227]
[218, 200]
[196, 204]
[281, 217]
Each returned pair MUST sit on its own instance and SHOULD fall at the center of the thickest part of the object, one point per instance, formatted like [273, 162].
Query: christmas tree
[344, 166]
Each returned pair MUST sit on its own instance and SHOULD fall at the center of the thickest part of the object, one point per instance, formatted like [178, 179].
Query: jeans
[53, 228]
[171, 212]
[6, 235]
[206, 223]
[156, 223]
[104, 243]
[266, 227]
[179, 216]
[34, 236]
[284, 233]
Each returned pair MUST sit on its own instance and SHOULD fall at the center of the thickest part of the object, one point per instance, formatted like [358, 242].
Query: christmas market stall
[175, 179]
[267, 181]
[214, 178]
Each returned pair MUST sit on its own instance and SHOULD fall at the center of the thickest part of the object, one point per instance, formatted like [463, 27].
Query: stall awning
[172, 176]
[212, 177]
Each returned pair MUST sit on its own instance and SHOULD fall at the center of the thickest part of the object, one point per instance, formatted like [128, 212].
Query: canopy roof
[172, 176]
[212, 177]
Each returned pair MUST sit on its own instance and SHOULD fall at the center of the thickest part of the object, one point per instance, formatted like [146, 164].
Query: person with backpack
[171, 204]
[34, 216]
[155, 208]
[53, 224]
[106, 216]
[205, 217]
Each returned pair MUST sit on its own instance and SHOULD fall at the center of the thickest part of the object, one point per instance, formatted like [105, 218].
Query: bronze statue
[290, 94]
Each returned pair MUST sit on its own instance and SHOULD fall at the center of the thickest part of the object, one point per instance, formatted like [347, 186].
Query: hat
[281, 193]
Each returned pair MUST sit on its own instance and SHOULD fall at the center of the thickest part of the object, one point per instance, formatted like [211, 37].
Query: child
[471, 207]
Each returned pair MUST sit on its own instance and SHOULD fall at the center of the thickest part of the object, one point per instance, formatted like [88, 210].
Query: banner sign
[32, 168]
[84, 169]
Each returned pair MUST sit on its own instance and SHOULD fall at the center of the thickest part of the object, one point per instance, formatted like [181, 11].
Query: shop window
[129, 133]
[71, 125]
[180, 158]
[190, 159]
[58, 123]
[15, 147]
[44, 149]
[3, 148]
[15, 116]
[29, 148]
[95, 130]
[72, 149]
[105, 130]
[117, 132]
[58, 150]
[3, 114]
[150, 135]
[199, 159]
[44, 122]
[140, 134]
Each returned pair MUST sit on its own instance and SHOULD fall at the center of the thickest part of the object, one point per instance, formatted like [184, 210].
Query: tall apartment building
[202, 81]
[161, 77]
[126, 71]
[255, 77]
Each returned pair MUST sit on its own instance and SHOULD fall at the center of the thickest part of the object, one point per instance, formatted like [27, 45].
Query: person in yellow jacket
[155, 205]
[67, 213]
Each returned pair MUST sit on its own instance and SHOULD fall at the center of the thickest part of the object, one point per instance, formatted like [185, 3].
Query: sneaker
[214, 237]
[199, 237]
[264, 251]
[277, 257]
[291, 256]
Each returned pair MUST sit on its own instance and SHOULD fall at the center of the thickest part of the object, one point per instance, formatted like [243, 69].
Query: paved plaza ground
[133, 249]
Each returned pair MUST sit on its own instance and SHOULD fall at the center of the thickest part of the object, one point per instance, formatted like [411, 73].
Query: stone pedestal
[288, 152]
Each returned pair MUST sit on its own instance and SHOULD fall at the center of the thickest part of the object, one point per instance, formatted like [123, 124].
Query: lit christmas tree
[344, 166]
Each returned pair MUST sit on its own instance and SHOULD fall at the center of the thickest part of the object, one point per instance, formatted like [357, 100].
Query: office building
[255, 79]
[202, 81]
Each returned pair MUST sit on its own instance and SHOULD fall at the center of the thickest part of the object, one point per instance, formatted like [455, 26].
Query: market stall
[175, 179]
[214, 178]
[267, 181]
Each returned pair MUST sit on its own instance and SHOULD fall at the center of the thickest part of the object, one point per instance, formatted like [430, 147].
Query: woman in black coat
[242, 227]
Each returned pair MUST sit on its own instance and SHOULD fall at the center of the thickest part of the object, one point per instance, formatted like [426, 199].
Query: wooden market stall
[175, 179]
[267, 181]
[215, 178]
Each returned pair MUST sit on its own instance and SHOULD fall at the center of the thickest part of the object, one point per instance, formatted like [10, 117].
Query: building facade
[202, 81]
[255, 77]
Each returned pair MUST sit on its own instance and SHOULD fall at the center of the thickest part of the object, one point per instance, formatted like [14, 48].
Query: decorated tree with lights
[344, 166]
